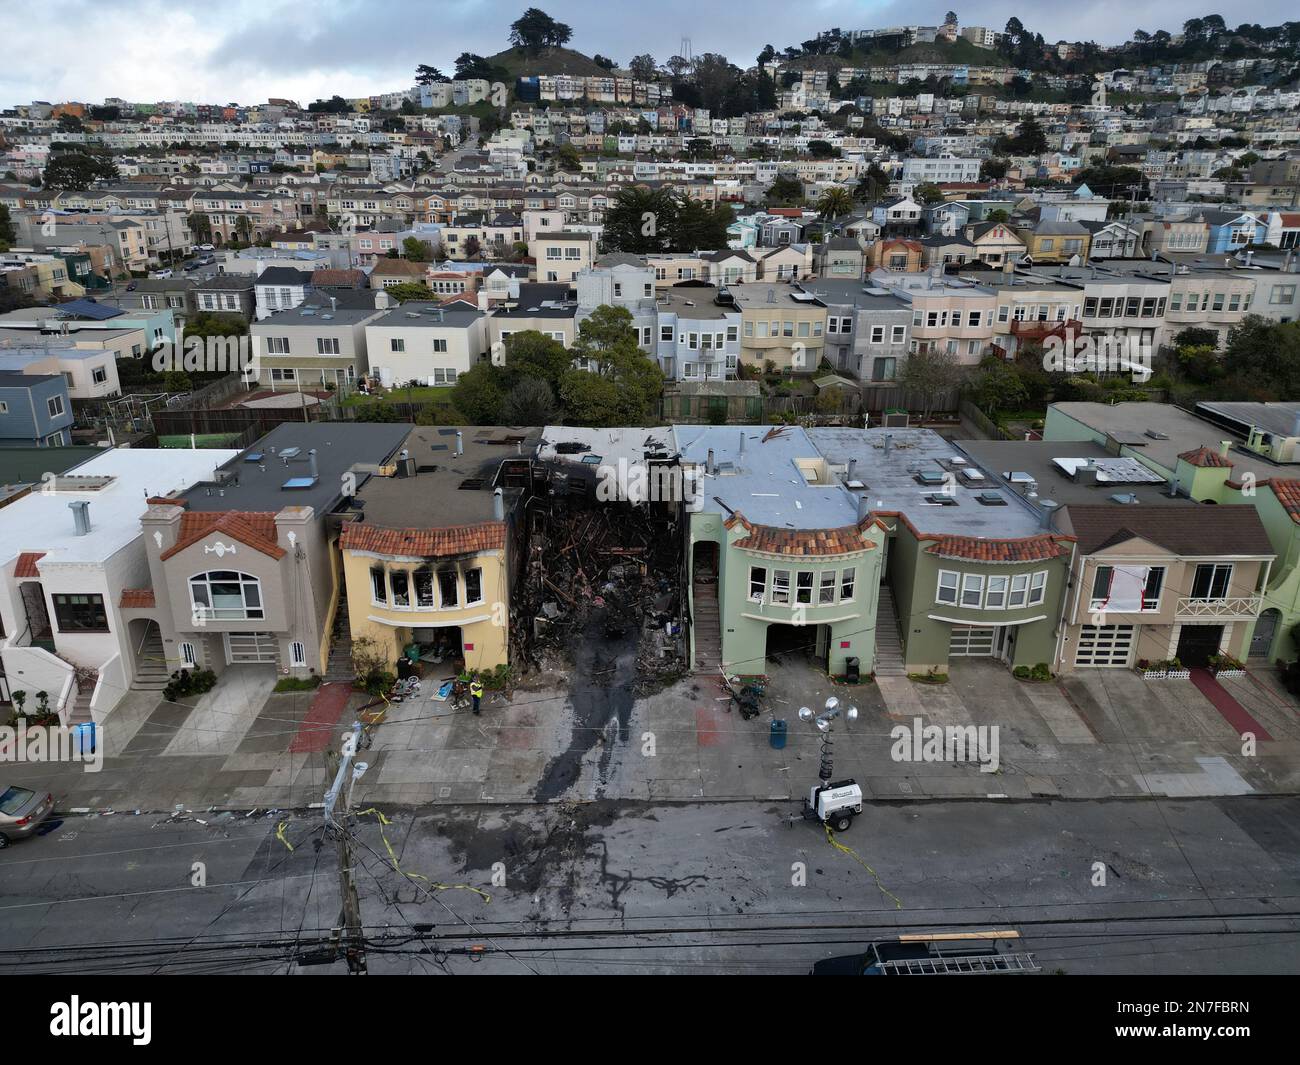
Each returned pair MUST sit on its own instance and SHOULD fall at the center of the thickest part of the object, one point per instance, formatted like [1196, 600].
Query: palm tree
[834, 203]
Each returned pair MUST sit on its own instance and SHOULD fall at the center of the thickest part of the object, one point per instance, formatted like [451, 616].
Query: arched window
[225, 595]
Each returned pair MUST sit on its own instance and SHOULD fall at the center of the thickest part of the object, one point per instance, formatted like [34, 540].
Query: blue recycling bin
[83, 737]
[777, 733]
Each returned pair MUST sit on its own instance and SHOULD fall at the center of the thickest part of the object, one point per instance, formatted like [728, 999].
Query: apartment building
[867, 329]
[561, 256]
[697, 334]
[948, 314]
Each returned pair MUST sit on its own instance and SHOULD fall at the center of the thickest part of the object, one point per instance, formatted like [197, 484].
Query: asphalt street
[1141, 887]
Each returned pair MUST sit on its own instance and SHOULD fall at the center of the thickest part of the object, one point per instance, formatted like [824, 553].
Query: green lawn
[200, 440]
[422, 394]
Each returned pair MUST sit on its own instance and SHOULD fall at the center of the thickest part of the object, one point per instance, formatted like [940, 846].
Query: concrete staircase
[889, 647]
[339, 664]
[79, 713]
[707, 628]
[151, 673]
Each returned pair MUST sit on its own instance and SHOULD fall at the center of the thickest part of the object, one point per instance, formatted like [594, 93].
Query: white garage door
[967, 641]
[1105, 645]
[252, 647]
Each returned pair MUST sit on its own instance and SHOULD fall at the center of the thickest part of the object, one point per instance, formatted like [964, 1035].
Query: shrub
[297, 684]
[1021, 672]
[189, 682]
[1041, 671]
[376, 681]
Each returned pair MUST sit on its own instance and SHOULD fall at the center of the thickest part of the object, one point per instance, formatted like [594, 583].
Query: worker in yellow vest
[476, 691]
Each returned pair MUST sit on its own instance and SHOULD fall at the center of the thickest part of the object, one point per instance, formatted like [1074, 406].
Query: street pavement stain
[601, 692]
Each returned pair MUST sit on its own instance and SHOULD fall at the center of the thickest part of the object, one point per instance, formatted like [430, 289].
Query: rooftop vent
[990, 499]
[471, 484]
[1124, 497]
[938, 499]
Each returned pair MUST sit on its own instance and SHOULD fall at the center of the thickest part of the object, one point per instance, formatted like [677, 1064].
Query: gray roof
[437, 496]
[339, 447]
[415, 315]
[890, 482]
[1276, 418]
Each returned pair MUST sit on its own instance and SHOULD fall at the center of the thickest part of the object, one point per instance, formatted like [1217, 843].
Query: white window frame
[944, 585]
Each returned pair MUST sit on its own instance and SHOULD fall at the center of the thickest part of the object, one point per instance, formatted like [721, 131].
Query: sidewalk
[1100, 734]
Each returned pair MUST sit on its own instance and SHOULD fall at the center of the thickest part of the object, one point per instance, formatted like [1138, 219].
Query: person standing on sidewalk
[476, 692]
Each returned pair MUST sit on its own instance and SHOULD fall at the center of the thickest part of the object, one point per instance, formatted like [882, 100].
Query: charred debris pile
[600, 565]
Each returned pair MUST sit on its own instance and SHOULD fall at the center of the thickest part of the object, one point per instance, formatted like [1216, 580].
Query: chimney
[334, 304]
[482, 300]
[81, 516]
[853, 465]
[1050, 507]
[889, 443]
[498, 505]
[862, 508]
[460, 442]
[742, 440]
[1295, 424]
[381, 300]
[311, 459]
[708, 463]
[1225, 448]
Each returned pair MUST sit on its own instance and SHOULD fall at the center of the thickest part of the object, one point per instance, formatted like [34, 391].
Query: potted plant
[1226, 665]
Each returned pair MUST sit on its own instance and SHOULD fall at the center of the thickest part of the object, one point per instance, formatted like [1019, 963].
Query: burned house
[431, 550]
[606, 556]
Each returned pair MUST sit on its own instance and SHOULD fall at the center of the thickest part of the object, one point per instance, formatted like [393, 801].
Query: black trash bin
[852, 670]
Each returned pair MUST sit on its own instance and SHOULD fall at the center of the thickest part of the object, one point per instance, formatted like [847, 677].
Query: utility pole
[348, 935]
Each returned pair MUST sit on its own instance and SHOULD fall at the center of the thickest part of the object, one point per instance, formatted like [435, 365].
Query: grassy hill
[520, 62]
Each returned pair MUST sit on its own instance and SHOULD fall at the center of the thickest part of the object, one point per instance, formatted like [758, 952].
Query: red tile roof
[163, 501]
[26, 566]
[1205, 457]
[424, 543]
[255, 529]
[802, 542]
[136, 598]
[1288, 494]
[978, 549]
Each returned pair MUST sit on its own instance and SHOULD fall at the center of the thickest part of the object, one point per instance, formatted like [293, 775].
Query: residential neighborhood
[830, 510]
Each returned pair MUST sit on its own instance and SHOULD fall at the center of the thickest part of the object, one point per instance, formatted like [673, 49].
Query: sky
[148, 50]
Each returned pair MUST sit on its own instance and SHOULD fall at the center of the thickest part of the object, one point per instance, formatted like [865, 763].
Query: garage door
[1105, 645]
[252, 647]
[967, 641]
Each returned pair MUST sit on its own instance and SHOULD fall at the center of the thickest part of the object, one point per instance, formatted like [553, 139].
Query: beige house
[560, 256]
[780, 325]
[1155, 583]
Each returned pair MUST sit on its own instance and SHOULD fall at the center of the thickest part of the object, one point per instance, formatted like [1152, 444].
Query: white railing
[1237, 607]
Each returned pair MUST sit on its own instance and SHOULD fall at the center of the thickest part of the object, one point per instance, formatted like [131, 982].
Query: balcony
[1238, 608]
[1038, 330]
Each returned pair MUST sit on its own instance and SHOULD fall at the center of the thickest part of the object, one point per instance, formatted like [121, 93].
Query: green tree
[530, 402]
[478, 394]
[835, 203]
[631, 381]
[535, 30]
[415, 250]
[568, 158]
[640, 220]
[928, 194]
[996, 386]
[1263, 358]
[78, 170]
[530, 354]
[643, 67]
[785, 190]
[929, 375]
[6, 229]
[411, 292]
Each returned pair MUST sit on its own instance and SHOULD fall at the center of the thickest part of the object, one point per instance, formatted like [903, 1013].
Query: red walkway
[1233, 712]
[317, 728]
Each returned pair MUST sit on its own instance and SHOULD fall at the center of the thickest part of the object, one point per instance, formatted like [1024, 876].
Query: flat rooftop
[1276, 418]
[1045, 468]
[863, 295]
[908, 477]
[1177, 431]
[117, 483]
[766, 479]
[258, 478]
[446, 488]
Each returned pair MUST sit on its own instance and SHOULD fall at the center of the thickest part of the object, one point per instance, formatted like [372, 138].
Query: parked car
[21, 812]
[205, 247]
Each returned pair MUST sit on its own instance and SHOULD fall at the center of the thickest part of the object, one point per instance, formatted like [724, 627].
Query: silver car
[21, 812]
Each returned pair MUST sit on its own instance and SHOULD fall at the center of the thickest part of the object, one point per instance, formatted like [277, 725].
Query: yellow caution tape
[392, 856]
[279, 834]
[830, 838]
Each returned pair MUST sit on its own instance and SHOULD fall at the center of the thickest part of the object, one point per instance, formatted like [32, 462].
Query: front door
[1265, 630]
[1196, 643]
